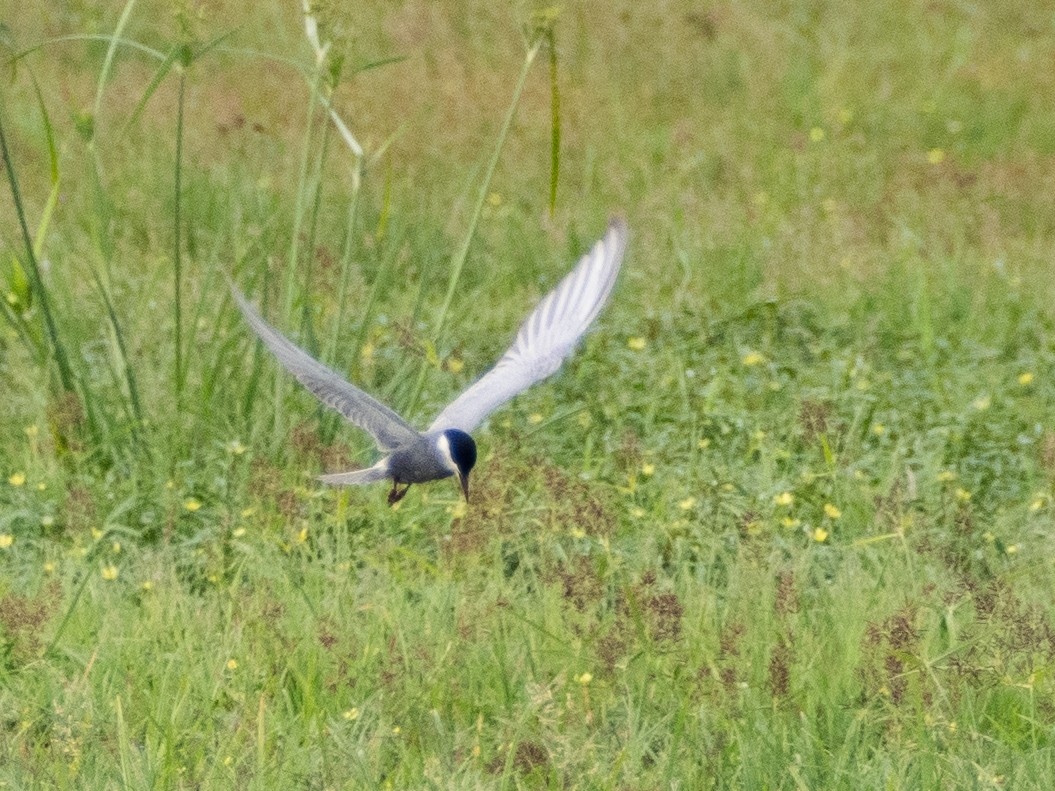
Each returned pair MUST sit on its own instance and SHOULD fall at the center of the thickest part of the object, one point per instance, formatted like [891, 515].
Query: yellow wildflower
[148, 586]
[816, 134]
[704, 443]
[878, 429]
[302, 536]
[534, 418]
[31, 431]
[6, 540]
[752, 358]
[17, 479]
[982, 403]
[232, 664]
[455, 365]
[784, 499]
[936, 156]
[116, 548]
[820, 534]
[351, 714]
[790, 523]
[648, 469]
[49, 567]
[963, 495]
[191, 504]
[1025, 378]
[831, 511]
[687, 504]
[1011, 549]
[584, 678]
[109, 573]
[238, 532]
[1037, 504]
[637, 343]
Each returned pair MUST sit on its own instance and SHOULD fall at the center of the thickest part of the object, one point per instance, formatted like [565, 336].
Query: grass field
[784, 522]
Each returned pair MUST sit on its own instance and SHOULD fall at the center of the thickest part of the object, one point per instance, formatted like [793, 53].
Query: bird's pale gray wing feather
[357, 477]
[548, 335]
[388, 429]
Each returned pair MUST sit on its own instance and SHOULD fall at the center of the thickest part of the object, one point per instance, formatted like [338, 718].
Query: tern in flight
[409, 456]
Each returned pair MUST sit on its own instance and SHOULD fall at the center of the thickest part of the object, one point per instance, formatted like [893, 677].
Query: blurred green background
[783, 522]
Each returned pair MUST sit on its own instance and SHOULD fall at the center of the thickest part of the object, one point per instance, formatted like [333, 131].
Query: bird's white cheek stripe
[445, 451]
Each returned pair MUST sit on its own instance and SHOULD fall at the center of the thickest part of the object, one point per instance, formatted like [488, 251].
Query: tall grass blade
[261, 740]
[20, 284]
[58, 349]
[108, 61]
[126, 376]
[155, 82]
[346, 267]
[294, 246]
[458, 261]
[122, 744]
[177, 245]
[554, 149]
[313, 229]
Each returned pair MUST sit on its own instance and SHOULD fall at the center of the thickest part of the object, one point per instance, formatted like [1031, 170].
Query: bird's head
[459, 451]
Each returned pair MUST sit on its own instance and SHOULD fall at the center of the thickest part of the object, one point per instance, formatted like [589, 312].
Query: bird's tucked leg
[396, 494]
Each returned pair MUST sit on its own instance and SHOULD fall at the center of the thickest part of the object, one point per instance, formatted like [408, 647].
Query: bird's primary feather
[546, 337]
[388, 429]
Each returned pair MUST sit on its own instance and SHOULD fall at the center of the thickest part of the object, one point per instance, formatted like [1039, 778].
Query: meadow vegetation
[784, 522]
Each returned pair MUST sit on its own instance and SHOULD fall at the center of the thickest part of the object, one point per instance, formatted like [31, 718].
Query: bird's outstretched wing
[388, 429]
[547, 336]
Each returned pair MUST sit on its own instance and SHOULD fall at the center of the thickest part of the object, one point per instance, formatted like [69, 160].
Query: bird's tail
[358, 477]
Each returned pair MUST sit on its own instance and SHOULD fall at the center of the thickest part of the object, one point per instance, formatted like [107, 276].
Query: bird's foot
[396, 494]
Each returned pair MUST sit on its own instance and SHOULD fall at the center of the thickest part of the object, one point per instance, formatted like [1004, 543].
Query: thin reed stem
[458, 261]
[66, 376]
[177, 243]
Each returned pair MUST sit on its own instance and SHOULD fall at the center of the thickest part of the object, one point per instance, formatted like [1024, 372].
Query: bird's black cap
[463, 452]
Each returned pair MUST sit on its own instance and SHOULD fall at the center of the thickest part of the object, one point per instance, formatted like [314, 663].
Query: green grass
[785, 521]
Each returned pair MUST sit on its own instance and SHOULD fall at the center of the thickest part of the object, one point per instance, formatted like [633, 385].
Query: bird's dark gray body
[418, 462]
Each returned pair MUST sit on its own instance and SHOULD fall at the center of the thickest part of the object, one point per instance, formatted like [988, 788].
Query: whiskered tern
[548, 335]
